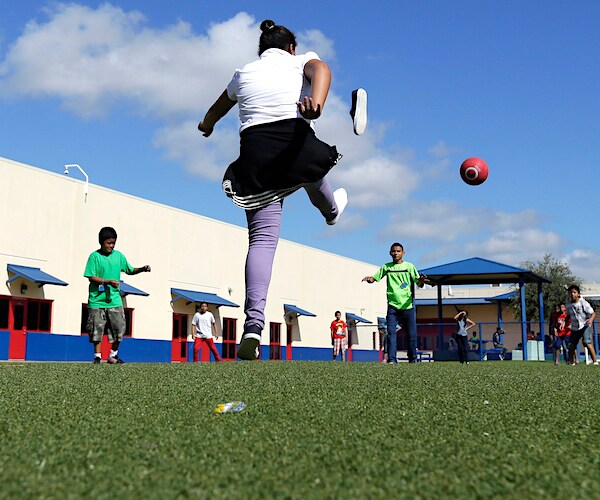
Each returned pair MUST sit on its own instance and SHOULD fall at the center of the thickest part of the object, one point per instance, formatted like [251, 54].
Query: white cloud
[201, 156]
[440, 228]
[584, 264]
[516, 246]
[435, 220]
[91, 58]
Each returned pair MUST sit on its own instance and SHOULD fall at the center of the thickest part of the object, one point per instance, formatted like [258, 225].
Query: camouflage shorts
[98, 320]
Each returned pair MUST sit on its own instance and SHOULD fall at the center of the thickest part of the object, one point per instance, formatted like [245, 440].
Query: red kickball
[474, 171]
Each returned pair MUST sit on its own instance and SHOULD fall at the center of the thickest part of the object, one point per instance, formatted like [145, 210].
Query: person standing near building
[204, 328]
[553, 319]
[582, 316]
[278, 96]
[401, 278]
[105, 305]
[561, 334]
[339, 336]
[463, 323]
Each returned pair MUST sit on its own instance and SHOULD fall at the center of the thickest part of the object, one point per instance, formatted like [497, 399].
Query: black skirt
[275, 160]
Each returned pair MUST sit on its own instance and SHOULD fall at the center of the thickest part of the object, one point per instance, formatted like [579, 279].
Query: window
[229, 335]
[4, 313]
[275, 341]
[38, 315]
[128, 321]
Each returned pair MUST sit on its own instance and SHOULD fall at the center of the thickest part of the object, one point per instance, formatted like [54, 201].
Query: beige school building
[49, 226]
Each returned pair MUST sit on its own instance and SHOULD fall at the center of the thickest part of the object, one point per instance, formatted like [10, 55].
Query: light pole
[87, 179]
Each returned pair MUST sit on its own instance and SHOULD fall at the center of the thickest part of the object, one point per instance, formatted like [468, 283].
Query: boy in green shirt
[103, 270]
[401, 278]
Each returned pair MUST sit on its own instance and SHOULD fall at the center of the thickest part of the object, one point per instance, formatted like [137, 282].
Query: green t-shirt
[107, 267]
[400, 283]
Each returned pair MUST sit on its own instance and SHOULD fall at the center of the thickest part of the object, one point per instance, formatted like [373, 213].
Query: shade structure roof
[127, 289]
[478, 271]
[290, 308]
[358, 319]
[452, 301]
[193, 296]
[34, 275]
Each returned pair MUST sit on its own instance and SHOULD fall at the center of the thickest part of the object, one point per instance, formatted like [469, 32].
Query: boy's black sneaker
[115, 360]
[358, 112]
[97, 360]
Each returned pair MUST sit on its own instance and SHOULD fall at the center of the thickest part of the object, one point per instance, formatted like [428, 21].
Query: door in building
[17, 327]
[275, 341]
[288, 342]
[229, 337]
[179, 348]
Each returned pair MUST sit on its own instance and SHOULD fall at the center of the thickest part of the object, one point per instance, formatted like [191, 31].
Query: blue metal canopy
[290, 308]
[34, 275]
[504, 296]
[452, 301]
[126, 289]
[478, 271]
[192, 296]
[354, 317]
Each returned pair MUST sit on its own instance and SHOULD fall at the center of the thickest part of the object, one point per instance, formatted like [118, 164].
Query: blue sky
[119, 88]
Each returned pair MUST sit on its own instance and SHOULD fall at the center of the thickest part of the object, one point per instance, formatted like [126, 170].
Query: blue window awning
[191, 296]
[126, 289]
[290, 309]
[354, 317]
[34, 275]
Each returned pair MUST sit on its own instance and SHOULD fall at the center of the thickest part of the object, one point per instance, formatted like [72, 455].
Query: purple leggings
[263, 235]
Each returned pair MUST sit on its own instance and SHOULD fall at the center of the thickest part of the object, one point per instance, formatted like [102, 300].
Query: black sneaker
[115, 360]
[97, 360]
[249, 346]
[358, 112]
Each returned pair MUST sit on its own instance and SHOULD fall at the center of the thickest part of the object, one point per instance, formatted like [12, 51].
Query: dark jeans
[461, 342]
[407, 319]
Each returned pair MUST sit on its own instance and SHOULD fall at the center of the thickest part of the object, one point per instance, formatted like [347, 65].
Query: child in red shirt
[339, 336]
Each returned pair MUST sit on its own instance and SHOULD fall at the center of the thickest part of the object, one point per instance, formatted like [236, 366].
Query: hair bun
[267, 25]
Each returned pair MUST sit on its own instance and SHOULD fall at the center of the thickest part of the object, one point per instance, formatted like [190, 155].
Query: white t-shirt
[203, 324]
[267, 90]
[579, 311]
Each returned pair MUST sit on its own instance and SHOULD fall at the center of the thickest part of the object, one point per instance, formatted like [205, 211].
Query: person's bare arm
[319, 75]
[102, 281]
[217, 111]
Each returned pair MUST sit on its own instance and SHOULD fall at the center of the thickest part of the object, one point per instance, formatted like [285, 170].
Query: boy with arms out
[105, 305]
[339, 335]
[401, 278]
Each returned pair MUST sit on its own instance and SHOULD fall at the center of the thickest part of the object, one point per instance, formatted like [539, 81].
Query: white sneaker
[596, 363]
[358, 112]
[248, 349]
[341, 200]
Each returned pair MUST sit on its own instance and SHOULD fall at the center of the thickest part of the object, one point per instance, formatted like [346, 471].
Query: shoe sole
[248, 350]
[359, 111]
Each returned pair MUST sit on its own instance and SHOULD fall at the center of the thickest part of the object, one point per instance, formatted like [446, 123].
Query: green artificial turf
[311, 430]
